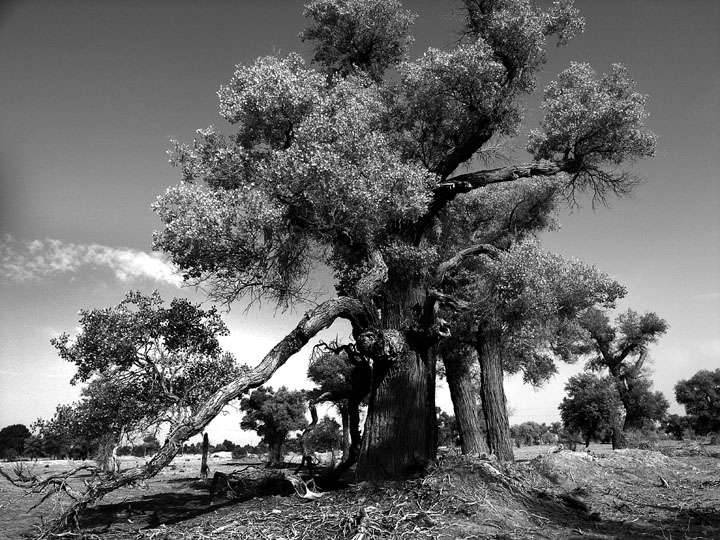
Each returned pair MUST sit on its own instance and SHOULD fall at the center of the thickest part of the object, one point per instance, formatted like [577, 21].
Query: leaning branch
[313, 322]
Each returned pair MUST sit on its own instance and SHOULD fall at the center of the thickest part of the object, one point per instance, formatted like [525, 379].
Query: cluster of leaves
[531, 433]
[12, 440]
[326, 436]
[144, 364]
[700, 394]
[611, 131]
[448, 429]
[358, 35]
[273, 415]
[309, 168]
[536, 298]
[592, 404]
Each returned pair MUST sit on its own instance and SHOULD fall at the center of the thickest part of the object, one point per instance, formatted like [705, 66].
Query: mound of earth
[570, 495]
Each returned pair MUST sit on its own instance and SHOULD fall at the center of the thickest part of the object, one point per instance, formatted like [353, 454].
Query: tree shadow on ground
[187, 499]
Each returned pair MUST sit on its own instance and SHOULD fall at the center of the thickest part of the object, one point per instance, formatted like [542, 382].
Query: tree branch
[478, 249]
[448, 189]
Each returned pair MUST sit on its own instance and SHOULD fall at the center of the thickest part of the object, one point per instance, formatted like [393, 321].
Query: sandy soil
[673, 494]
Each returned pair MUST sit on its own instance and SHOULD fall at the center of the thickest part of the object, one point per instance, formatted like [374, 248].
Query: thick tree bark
[492, 391]
[107, 454]
[458, 371]
[401, 428]
[400, 434]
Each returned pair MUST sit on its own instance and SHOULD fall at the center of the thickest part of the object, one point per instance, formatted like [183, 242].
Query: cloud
[31, 260]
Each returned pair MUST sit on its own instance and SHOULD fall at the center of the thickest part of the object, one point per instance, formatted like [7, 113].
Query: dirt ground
[673, 493]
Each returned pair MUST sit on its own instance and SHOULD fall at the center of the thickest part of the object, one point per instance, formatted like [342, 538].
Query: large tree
[273, 415]
[623, 350]
[700, 394]
[344, 167]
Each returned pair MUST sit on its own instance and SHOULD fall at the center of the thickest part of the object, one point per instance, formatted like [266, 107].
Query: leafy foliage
[144, 364]
[677, 426]
[357, 35]
[273, 415]
[326, 436]
[592, 403]
[590, 123]
[12, 439]
[537, 298]
[621, 349]
[448, 429]
[331, 372]
[643, 405]
[700, 394]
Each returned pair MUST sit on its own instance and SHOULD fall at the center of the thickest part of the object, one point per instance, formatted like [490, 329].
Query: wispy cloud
[30, 260]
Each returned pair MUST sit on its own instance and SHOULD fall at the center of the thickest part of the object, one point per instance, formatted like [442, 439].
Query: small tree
[677, 426]
[145, 364]
[700, 394]
[527, 433]
[12, 440]
[273, 415]
[592, 403]
[327, 435]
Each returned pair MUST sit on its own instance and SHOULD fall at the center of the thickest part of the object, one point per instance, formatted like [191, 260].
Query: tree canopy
[700, 394]
[273, 415]
[592, 404]
[145, 364]
[12, 440]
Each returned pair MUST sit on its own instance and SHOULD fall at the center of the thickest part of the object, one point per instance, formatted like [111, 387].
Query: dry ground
[673, 494]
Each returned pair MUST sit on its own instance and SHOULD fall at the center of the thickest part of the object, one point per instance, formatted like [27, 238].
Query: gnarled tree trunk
[458, 362]
[401, 427]
[492, 391]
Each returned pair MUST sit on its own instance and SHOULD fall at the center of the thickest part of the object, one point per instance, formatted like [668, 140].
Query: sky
[93, 91]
